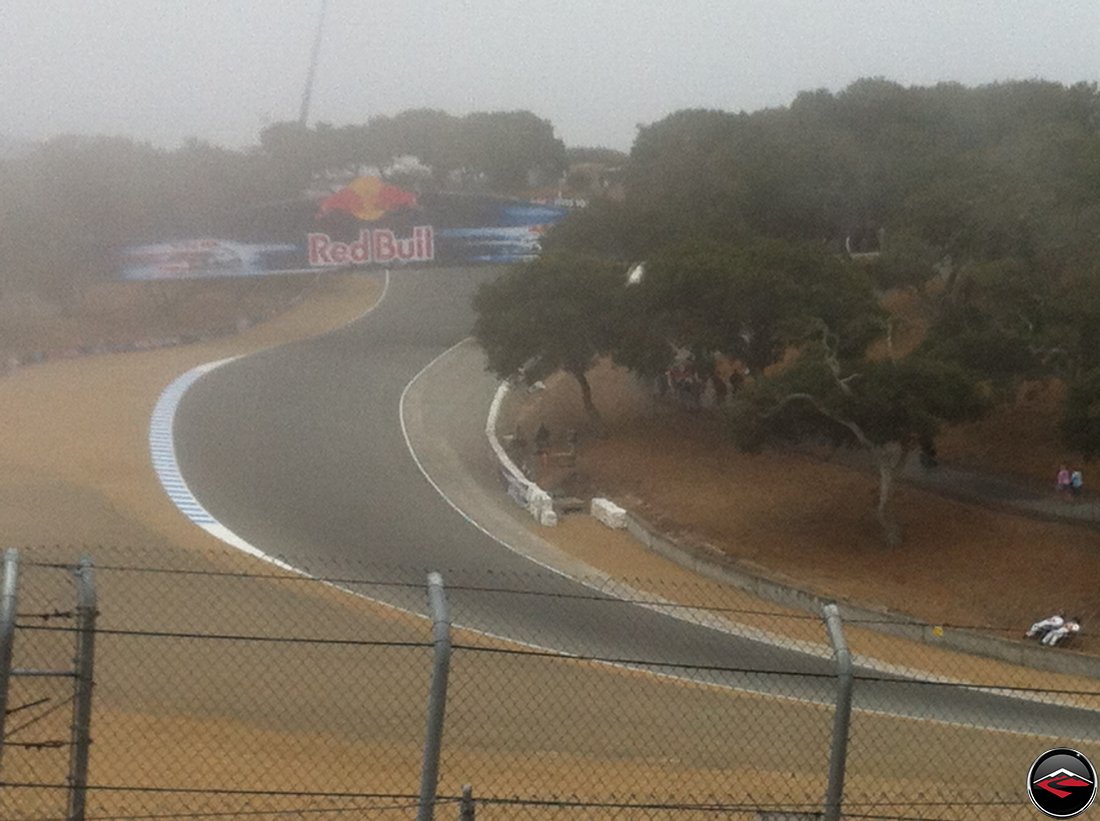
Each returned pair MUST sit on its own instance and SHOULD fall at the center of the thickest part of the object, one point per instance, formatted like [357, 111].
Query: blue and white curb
[163, 451]
[162, 447]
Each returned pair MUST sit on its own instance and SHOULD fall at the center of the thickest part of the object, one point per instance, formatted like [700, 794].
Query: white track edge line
[166, 466]
[659, 608]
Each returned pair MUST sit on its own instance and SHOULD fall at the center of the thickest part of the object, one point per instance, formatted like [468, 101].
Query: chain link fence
[227, 688]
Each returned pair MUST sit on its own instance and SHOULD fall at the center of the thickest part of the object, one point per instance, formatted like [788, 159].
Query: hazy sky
[163, 70]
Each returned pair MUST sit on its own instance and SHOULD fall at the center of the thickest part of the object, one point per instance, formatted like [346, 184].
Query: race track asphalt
[300, 451]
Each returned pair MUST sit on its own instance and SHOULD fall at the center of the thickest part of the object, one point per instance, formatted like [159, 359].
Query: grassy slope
[812, 522]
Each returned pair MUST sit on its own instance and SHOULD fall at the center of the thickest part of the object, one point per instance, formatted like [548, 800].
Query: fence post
[467, 808]
[437, 698]
[84, 663]
[838, 756]
[8, 600]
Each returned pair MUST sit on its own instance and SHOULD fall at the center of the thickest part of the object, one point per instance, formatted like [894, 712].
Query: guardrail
[520, 489]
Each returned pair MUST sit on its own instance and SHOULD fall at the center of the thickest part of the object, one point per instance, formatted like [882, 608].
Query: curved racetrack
[300, 451]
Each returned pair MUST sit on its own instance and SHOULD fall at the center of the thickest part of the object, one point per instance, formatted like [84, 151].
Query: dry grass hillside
[112, 314]
[811, 520]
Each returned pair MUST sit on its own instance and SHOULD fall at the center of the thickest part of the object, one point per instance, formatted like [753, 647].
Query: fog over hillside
[11, 147]
[222, 71]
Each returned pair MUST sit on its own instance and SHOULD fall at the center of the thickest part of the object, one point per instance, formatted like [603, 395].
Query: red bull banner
[380, 246]
[367, 199]
[368, 222]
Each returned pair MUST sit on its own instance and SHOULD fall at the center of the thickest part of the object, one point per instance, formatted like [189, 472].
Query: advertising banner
[367, 222]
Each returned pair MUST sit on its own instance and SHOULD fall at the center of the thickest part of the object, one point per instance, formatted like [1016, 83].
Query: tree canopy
[770, 238]
[555, 313]
[887, 407]
[503, 151]
[750, 301]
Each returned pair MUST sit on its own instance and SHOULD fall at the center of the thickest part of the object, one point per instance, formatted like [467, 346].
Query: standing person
[736, 379]
[1061, 482]
[1076, 483]
[542, 443]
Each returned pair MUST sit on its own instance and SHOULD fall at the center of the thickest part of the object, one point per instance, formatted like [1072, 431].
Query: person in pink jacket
[1062, 480]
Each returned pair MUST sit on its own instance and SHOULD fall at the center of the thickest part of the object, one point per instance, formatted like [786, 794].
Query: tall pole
[437, 696]
[838, 756]
[8, 593]
[303, 115]
[81, 740]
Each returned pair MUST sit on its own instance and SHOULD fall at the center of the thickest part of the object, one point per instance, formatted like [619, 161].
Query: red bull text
[378, 246]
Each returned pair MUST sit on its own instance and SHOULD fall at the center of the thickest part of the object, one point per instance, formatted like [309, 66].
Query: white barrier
[609, 513]
[523, 491]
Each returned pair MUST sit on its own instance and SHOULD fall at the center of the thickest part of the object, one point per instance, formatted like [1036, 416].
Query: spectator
[1061, 482]
[542, 442]
[1076, 482]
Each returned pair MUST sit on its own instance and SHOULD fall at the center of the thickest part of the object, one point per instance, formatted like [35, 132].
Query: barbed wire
[31, 722]
[601, 597]
[998, 802]
[982, 685]
[306, 577]
[876, 817]
[226, 791]
[409, 802]
[714, 804]
[872, 810]
[171, 634]
[27, 706]
[636, 662]
[560, 655]
[47, 616]
[893, 817]
[36, 745]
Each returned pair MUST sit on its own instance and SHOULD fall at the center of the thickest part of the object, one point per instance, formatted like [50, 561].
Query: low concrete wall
[732, 572]
[522, 490]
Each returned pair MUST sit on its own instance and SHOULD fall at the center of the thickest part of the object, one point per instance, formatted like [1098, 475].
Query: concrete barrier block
[609, 513]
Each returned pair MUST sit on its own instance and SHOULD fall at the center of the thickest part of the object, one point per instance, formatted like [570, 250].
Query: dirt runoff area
[810, 521]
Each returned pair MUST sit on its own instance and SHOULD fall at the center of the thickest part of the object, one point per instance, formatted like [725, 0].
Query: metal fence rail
[225, 689]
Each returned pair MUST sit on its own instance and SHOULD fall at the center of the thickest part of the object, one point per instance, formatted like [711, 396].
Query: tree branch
[855, 429]
[890, 323]
[831, 343]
